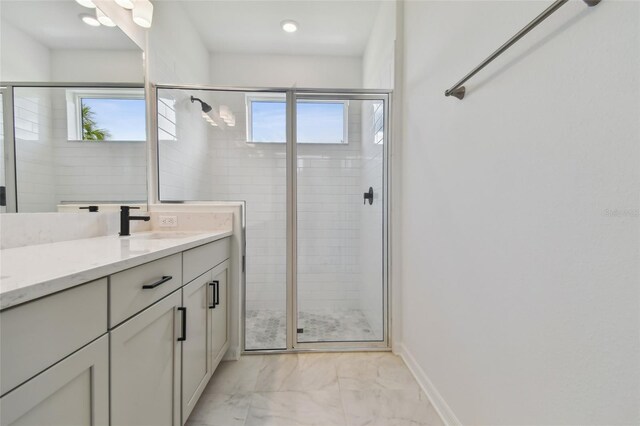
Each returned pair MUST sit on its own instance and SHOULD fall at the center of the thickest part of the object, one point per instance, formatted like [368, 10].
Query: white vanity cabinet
[145, 366]
[162, 357]
[54, 364]
[135, 348]
[74, 391]
[219, 315]
[205, 300]
[197, 298]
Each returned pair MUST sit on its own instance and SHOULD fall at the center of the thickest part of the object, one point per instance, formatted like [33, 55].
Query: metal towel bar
[458, 90]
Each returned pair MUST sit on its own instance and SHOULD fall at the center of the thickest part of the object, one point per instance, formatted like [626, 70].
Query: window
[319, 122]
[106, 115]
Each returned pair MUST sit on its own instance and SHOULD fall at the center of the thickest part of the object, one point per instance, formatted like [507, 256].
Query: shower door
[310, 169]
[340, 290]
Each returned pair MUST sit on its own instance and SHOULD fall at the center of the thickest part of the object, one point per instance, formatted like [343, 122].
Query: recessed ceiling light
[89, 20]
[87, 3]
[104, 19]
[127, 4]
[289, 26]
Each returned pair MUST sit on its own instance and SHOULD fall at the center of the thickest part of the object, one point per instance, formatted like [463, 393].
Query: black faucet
[92, 209]
[125, 218]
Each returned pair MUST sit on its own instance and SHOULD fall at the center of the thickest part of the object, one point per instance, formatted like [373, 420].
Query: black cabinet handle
[162, 280]
[213, 284]
[184, 324]
[217, 292]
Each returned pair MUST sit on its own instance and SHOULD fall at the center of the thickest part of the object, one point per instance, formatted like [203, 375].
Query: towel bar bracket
[458, 90]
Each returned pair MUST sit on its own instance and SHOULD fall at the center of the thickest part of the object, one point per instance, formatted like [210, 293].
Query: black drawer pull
[184, 324]
[162, 280]
[213, 284]
[217, 293]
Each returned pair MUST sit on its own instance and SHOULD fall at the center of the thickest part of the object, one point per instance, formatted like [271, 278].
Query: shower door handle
[368, 196]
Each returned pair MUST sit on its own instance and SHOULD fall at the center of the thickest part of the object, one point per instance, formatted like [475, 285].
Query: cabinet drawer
[199, 260]
[38, 334]
[137, 288]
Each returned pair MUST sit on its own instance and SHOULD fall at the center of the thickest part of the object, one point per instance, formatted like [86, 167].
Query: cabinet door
[197, 297]
[74, 391]
[145, 366]
[219, 319]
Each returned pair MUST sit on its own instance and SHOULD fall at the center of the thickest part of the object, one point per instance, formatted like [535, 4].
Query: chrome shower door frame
[292, 95]
[293, 344]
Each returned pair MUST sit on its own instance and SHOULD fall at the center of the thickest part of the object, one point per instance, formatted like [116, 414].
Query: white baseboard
[438, 402]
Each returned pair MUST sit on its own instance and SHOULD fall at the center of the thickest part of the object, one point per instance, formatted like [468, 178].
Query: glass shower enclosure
[311, 168]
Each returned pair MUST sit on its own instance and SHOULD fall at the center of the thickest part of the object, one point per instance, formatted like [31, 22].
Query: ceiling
[55, 24]
[326, 27]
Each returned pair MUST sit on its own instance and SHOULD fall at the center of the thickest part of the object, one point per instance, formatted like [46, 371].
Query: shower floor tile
[266, 329]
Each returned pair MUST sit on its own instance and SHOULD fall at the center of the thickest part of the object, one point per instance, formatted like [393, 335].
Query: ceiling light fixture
[104, 19]
[143, 13]
[86, 3]
[89, 20]
[127, 4]
[289, 26]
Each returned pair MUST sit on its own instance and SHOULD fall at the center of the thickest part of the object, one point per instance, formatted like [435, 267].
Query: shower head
[205, 106]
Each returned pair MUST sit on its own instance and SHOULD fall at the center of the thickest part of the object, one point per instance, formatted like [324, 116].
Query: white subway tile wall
[34, 150]
[184, 152]
[255, 173]
[329, 207]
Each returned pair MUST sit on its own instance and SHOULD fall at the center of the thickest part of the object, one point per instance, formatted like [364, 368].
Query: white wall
[176, 53]
[378, 59]
[112, 66]
[21, 57]
[256, 70]
[521, 282]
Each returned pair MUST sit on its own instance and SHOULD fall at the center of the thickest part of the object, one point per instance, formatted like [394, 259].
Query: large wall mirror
[73, 109]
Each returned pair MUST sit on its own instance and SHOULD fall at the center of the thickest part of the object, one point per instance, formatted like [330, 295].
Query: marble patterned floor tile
[215, 409]
[384, 407]
[298, 372]
[233, 377]
[374, 370]
[313, 408]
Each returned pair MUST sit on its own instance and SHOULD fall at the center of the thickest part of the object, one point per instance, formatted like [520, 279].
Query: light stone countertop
[31, 272]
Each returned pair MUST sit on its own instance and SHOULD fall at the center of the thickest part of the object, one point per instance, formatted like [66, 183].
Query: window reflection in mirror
[79, 145]
[79, 130]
